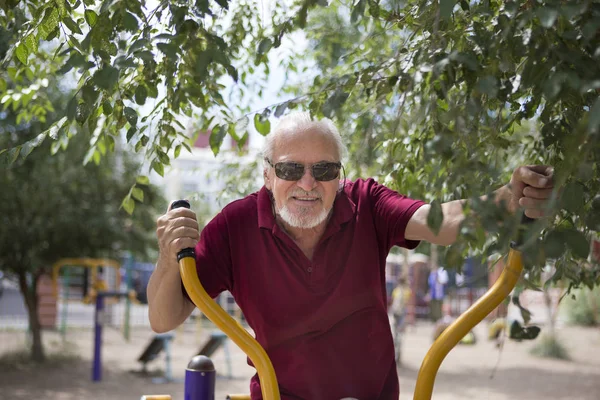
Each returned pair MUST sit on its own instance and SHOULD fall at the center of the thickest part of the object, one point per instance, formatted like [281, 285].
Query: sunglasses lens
[326, 171]
[289, 171]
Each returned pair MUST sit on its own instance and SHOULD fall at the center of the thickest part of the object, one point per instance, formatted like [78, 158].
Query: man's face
[306, 202]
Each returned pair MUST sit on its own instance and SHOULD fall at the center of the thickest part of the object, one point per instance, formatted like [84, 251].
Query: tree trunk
[30, 297]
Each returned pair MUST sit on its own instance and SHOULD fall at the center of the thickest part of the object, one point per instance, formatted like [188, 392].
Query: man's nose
[307, 182]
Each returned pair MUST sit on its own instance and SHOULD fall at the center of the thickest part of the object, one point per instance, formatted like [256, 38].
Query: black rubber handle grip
[189, 252]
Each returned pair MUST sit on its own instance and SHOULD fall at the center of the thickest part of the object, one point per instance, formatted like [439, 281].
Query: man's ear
[267, 180]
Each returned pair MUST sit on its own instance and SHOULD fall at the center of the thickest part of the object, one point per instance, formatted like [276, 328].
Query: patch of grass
[549, 346]
[20, 358]
[584, 308]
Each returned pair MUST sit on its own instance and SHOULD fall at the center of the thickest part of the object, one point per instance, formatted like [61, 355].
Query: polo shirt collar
[343, 211]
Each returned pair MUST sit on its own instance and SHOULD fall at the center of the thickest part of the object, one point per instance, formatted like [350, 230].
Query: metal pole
[200, 377]
[63, 322]
[126, 325]
[99, 320]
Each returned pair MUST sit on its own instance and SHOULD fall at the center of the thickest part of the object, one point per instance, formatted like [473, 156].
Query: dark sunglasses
[293, 171]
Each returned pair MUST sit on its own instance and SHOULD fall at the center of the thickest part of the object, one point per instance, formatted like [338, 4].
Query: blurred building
[202, 177]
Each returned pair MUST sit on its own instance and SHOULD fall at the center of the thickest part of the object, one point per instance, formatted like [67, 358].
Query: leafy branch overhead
[136, 71]
[439, 99]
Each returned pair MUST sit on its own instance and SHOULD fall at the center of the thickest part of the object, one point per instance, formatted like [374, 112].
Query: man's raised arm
[530, 188]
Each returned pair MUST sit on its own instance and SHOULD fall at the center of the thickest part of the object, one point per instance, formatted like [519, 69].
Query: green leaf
[594, 117]
[107, 77]
[223, 3]
[280, 109]
[106, 107]
[137, 194]
[242, 124]
[49, 25]
[72, 108]
[10, 156]
[358, 11]
[169, 49]
[264, 46]
[82, 113]
[91, 17]
[130, 22]
[158, 167]
[138, 44]
[216, 138]
[592, 219]
[72, 25]
[572, 197]
[547, 16]
[334, 102]
[578, 243]
[28, 146]
[128, 204]
[22, 53]
[262, 125]
[554, 244]
[488, 85]
[143, 180]
[435, 217]
[31, 43]
[446, 7]
[131, 115]
[141, 93]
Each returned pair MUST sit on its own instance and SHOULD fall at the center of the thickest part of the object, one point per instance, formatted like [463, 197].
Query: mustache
[302, 193]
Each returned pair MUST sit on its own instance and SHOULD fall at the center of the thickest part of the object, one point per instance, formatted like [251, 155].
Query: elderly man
[304, 258]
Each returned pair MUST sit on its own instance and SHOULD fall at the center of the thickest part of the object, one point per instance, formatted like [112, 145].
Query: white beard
[302, 221]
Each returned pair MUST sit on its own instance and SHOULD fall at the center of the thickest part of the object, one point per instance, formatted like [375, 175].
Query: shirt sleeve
[392, 211]
[213, 258]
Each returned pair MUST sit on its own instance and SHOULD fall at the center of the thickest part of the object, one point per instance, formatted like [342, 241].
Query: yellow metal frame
[92, 263]
[229, 326]
[431, 363]
[459, 328]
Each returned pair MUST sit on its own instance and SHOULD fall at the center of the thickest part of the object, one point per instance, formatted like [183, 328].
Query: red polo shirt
[323, 322]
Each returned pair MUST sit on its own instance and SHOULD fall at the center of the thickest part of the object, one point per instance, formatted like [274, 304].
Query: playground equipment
[95, 275]
[90, 280]
[199, 380]
[100, 319]
[158, 343]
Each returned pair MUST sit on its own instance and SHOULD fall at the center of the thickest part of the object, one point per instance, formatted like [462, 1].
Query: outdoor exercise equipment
[88, 264]
[199, 382]
[158, 344]
[101, 319]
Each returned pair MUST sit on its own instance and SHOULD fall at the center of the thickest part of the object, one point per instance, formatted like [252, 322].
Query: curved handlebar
[229, 326]
[463, 324]
[467, 320]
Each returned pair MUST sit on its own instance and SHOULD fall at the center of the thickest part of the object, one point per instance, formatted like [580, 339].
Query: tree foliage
[438, 98]
[442, 100]
[55, 207]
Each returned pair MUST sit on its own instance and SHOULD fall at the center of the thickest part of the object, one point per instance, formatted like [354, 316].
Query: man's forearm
[454, 215]
[167, 306]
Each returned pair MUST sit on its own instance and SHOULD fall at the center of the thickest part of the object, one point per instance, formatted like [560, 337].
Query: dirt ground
[479, 371]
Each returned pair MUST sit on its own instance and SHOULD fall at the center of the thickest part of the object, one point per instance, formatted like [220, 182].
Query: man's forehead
[306, 146]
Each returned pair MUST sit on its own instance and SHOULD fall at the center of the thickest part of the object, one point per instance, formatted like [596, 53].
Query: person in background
[438, 279]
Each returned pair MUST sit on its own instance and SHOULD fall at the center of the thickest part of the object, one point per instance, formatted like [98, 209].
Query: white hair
[300, 121]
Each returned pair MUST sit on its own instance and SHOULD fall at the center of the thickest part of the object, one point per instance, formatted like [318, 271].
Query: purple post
[99, 320]
[200, 377]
